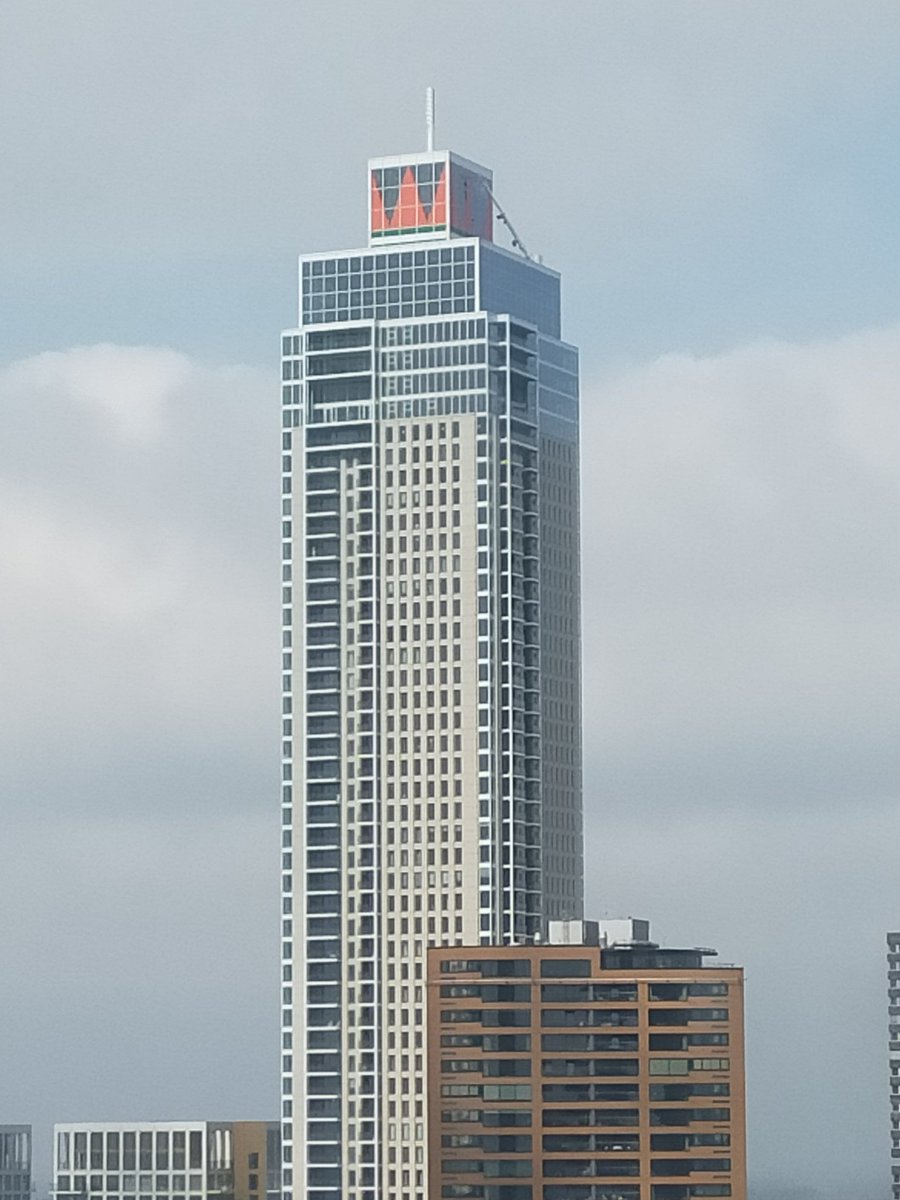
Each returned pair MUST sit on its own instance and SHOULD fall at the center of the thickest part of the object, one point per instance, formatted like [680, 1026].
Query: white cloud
[137, 616]
[127, 387]
[802, 901]
[740, 560]
[741, 656]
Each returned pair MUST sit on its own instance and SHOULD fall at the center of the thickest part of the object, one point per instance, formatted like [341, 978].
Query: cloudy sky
[717, 182]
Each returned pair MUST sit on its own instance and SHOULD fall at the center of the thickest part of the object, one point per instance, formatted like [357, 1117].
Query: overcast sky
[718, 184]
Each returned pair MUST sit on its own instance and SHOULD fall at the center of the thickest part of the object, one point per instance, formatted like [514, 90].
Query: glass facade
[386, 285]
[419, 282]
[512, 284]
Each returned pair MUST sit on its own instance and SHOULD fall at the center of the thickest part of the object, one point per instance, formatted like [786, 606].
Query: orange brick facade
[553, 1076]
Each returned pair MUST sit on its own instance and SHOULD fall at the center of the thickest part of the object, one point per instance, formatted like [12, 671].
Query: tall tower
[893, 941]
[431, 642]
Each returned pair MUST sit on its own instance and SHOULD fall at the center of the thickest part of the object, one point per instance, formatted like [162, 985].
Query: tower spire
[429, 118]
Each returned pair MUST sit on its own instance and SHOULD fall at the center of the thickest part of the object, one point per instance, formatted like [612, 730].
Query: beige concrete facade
[429, 749]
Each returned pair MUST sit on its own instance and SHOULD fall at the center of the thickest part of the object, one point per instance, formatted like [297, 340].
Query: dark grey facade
[15, 1162]
[893, 942]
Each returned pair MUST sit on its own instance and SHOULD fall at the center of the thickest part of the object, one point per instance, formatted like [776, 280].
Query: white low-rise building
[167, 1160]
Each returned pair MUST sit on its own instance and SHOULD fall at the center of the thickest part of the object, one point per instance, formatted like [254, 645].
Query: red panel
[378, 221]
[488, 231]
[439, 212]
[409, 200]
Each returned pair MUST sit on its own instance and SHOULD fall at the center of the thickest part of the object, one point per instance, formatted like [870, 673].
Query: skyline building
[431, 652]
[594, 1066]
[15, 1162]
[893, 962]
[166, 1160]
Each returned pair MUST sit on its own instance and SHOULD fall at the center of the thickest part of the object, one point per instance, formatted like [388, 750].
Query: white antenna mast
[429, 118]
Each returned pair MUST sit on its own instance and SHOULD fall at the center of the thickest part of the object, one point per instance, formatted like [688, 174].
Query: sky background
[717, 183]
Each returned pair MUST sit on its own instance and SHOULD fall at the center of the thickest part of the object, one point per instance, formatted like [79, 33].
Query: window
[500, 1118]
[683, 1091]
[685, 1116]
[669, 1066]
[681, 991]
[582, 1017]
[506, 1066]
[565, 993]
[507, 1091]
[575, 1191]
[590, 1042]
[196, 1150]
[687, 1166]
[687, 1141]
[590, 1066]
[686, 1016]
[594, 1143]
[494, 1017]
[564, 968]
[601, 1117]
[503, 967]
[509, 993]
[598, 1167]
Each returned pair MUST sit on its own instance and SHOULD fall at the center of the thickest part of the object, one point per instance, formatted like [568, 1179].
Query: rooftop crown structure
[429, 195]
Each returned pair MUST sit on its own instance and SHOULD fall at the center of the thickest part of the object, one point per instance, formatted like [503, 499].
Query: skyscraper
[893, 958]
[431, 642]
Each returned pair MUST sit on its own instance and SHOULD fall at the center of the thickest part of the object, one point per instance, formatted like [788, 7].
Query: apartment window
[669, 1066]
[565, 968]
[196, 1149]
[570, 1191]
[686, 1016]
[687, 1166]
[596, 1167]
[146, 1151]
